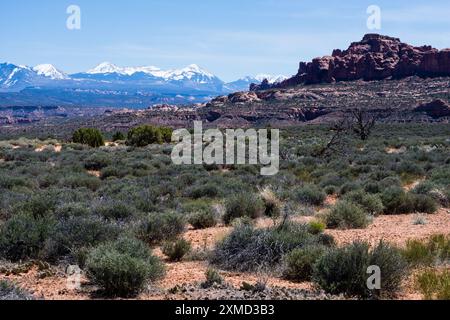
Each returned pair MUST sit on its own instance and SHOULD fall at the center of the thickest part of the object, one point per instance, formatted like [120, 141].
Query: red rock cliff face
[376, 57]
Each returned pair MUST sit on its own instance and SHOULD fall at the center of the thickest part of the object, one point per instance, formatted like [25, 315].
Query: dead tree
[333, 145]
[362, 122]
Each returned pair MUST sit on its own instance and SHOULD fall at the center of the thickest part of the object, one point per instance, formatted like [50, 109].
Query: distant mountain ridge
[110, 85]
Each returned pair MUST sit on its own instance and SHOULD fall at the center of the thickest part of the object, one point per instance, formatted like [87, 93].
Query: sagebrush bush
[310, 195]
[397, 201]
[176, 250]
[23, 236]
[347, 215]
[118, 136]
[123, 267]
[114, 210]
[158, 227]
[74, 233]
[371, 203]
[88, 136]
[299, 263]
[243, 205]
[344, 270]
[316, 227]
[247, 248]
[202, 219]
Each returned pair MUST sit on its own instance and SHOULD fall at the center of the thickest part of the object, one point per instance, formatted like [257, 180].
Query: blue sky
[230, 38]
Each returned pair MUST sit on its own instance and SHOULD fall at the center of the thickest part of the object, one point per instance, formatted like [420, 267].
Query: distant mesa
[376, 57]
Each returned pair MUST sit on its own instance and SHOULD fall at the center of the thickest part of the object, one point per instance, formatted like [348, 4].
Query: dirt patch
[396, 229]
[393, 150]
[94, 173]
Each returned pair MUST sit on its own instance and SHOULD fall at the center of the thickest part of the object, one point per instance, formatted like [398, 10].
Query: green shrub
[212, 277]
[243, 205]
[397, 201]
[424, 204]
[300, 262]
[123, 267]
[118, 136]
[97, 162]
[427, 252]
[158, 227]
[74, 209]
[247, 248]
[175, 251]
[347, 215]
[208, 190]
[371, 203]
[73, 233]
[88, 136]
[316, 227]
[202, 219]
[309, 194]
[344, 270]
[434, 285]
[23, 236]
[144, 135]
[114, 210]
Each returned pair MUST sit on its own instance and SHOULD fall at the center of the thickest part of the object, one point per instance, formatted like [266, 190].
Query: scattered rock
[435, 109]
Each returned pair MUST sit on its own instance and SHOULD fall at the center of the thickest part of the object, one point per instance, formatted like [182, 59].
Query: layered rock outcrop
[376, 57]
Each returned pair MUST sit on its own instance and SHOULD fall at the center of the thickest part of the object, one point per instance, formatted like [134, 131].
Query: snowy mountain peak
[270, 78]
[49, 71]
[105, 67]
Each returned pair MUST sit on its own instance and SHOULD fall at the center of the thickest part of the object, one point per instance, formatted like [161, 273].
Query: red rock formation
[376, 57]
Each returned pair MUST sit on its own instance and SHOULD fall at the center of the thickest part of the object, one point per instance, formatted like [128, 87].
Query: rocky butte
[376, 57]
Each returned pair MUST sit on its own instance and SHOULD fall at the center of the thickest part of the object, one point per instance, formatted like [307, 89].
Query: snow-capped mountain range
[193, 83]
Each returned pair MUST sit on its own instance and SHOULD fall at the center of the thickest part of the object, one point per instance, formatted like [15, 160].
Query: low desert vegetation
[106, 206]
[344, 270]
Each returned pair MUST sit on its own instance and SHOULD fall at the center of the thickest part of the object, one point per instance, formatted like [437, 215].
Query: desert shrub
[74, 209]
[208, 190]
[118, 136]
[88, 136]
[11, 292]
[212, 277]
[144, 135]
[175, 251]
[372, 204]
[38, 206]
[434, 191]
[247, 248]
[202, 219]
[157, 227]
[434, 250]
[80, 180]
[347, 215]
[349, 187]
[309, 194]
[122, 268]
[243, 205]
[434, 285]
[97, 162]
[397, 201]
[316, 227]
[330, 190]
[23, 236]
[409, 168]
[272, 205]
[344, 270]
[299, 263]
[425, 204]
[74, 233]
[114, 210]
